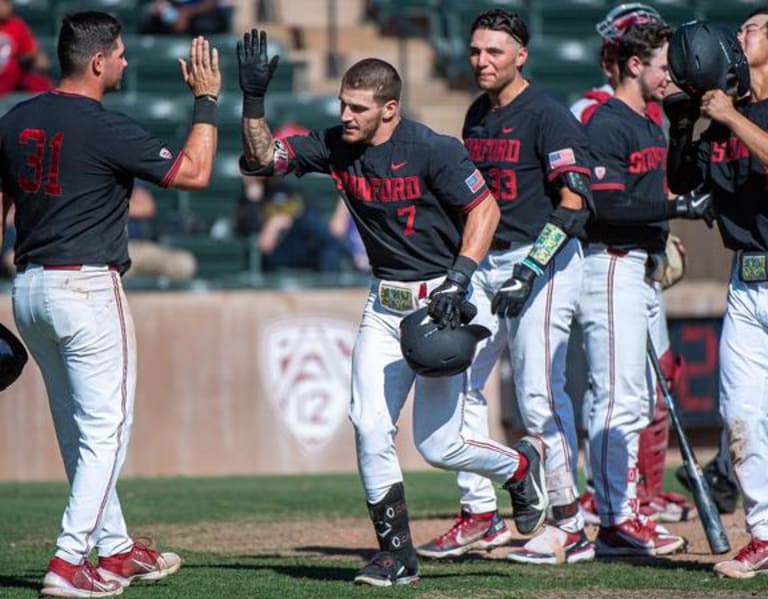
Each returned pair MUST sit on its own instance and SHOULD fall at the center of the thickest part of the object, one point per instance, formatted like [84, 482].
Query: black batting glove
[510, 299]
[255, 71]
[695, 205]
[682, 110]
[448, 304]
[447, 301]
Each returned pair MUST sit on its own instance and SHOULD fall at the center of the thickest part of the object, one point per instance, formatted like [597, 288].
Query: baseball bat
[702, 494]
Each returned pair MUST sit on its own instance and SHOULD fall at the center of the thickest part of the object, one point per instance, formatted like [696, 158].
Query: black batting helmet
[432, 351]
[13, 356]
[704, 56]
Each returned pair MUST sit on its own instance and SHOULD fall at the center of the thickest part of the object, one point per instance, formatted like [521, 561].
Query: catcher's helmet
[432, 351]
[622, 17]
[13, 356]
[704, 56]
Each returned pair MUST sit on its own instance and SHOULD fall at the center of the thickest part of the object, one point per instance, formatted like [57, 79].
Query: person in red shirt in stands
[21, 62]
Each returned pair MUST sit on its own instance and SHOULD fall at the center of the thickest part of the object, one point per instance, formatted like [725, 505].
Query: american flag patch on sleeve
[474, 181]
[561, 158]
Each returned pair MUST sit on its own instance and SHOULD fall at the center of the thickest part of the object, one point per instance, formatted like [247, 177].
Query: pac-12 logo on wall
[306, 363]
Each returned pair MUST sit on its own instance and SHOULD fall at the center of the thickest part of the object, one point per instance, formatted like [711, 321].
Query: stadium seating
[731, 13]
[564, 67]
[37, 14]
[216, 257]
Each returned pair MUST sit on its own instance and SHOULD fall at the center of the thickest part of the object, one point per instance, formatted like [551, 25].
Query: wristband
[253, 107]
[205, 110]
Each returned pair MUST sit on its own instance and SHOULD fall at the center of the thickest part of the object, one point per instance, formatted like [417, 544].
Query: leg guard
[652, 450]
[390, 520]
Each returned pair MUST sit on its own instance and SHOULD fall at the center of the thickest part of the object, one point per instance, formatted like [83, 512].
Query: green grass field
[218, 526]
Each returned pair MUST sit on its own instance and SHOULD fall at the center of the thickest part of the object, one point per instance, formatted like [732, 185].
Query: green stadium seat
[568, 18]
[731, 13]
[319, 190]
[37, 15]
[219, 199]
[564, 67]
[406, 17]
[166, 117]
[215, 257]
[126, 11]
[675, 12]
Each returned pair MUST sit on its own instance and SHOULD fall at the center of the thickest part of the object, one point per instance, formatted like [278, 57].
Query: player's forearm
[683, 173]
[479, 229]
[258, 149]
[198, 155]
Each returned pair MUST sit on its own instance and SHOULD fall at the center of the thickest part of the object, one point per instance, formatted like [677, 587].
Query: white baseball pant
[381, 380]
[78, 327]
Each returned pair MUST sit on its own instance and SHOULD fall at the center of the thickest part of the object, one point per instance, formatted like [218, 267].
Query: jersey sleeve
[610, 155]
[132, 149]
[562, 143]
[453, 177]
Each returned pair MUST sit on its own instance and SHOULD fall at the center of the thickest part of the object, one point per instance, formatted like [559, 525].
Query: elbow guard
[280, 164]
[579, 184]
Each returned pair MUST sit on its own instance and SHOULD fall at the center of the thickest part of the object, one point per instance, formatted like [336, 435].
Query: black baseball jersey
[69, 165]
[408, 196]
[521, 149]
[629, 154]
[739, 183]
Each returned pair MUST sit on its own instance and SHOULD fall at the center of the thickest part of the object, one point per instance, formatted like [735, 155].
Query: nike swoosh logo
[506, 130]
[396, 166]
[513, 287]
[700, 201]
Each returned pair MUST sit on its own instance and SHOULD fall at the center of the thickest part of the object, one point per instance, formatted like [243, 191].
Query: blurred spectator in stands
[186, 17]
[23, 66]
[290, 232]
[343, 227]
[149, 258]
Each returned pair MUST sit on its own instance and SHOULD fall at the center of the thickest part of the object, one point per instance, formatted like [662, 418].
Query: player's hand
[510, 299]
[255, 67]
[447, 302]
[696, 205]
[718, 106]
[202, 74]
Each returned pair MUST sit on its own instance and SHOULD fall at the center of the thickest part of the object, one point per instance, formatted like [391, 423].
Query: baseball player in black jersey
[618, 298]
[534, 157]
[732, 159]
[427, 218]
[68, 165]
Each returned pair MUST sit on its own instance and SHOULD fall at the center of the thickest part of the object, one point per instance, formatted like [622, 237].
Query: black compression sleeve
[625, 208]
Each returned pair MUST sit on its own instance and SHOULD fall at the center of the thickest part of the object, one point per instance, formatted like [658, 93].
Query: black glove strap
[462, 270]
[253, 107]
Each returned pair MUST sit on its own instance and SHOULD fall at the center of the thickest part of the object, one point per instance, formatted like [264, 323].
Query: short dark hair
[499, 19]
[376, 75]
[83, 35]
[758, 11]
[640, 40]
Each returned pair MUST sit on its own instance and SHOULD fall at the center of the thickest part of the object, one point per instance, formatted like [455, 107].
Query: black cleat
[529, 495]
[387, 568]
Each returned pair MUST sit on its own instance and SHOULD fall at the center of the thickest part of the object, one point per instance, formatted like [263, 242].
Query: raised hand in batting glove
[510, 299]
[695, 205]
[448, 302]
[682, 110]
[255, 70]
